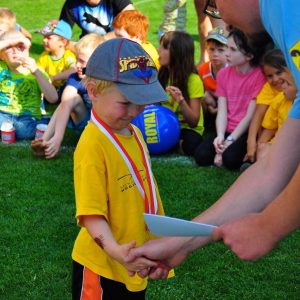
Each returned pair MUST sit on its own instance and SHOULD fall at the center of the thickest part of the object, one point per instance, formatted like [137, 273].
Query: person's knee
[202, 156]
[231, 161]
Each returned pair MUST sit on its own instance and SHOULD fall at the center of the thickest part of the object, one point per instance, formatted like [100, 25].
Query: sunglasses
[211, 10]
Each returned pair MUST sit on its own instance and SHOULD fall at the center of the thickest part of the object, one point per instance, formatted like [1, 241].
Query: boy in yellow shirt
[57, 60]
[133, 25]
[114, 184]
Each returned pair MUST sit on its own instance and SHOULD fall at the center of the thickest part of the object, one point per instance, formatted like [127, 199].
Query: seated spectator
[22, 84]
[237, 88]
[93, 15]
[277, 114]
[133, 25]
[8, 22]
[273, 65]
[56, 60]
[178, 75]
[75, 107]
[216, 47]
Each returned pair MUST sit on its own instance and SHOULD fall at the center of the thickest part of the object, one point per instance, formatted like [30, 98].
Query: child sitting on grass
[75, 104]
[216, 47]
[133, 25]
[21, 85]
[57, 60]
[237, 88]
[277, 113]
[113, 181]
[273, 65]
[178, 75]
[8, 22]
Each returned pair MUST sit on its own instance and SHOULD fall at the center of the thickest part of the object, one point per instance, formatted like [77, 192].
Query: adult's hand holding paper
[167, 226]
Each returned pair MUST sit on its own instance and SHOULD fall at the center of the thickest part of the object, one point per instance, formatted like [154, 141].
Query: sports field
[37, 210]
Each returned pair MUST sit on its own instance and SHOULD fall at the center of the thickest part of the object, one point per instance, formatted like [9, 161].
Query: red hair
[133, 22]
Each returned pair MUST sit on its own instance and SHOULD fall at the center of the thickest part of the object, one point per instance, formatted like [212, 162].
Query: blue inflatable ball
[160, 128]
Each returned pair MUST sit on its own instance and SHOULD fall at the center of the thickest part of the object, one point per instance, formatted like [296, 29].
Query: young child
[216, 47]
[277, 113]
[75, 104]
[21, 85]
[133, 25]
[56, 60]
[273, 65]
[8, 22]
[179, 77]
[113, 181]
[237, 88]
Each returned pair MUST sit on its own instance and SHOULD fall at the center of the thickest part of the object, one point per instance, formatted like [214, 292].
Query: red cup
[8, 137]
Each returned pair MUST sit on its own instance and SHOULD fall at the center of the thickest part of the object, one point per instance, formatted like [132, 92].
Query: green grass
[37, 208]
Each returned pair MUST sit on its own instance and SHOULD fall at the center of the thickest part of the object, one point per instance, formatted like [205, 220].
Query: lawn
[37, 208]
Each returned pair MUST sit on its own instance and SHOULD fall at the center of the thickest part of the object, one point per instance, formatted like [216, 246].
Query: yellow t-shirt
[151, 50]
[56, 66]
[195, 90]
[277, 112]
[104, 186]
[266, 95]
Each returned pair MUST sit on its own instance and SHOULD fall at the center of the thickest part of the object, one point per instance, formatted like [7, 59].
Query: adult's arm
[66, 13]
[254, 236]
[259, 185]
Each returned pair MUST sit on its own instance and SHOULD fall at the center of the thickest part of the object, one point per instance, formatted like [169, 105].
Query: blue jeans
[24, 125]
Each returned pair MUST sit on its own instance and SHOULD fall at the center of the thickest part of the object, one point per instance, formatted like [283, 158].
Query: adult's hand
[169, 252]
[249, 237]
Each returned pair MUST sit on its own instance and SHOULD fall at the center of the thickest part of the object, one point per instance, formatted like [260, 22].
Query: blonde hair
[89, 42]
[7, 16]
[100, 85]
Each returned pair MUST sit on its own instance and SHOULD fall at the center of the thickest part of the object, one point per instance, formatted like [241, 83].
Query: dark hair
[181, 65]
[244, 46]
[275, 59]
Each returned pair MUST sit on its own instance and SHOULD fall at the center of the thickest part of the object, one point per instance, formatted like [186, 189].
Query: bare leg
[205, 24]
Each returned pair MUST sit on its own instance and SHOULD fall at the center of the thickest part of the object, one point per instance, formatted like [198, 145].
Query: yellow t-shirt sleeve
[195, 86]
[266, 95]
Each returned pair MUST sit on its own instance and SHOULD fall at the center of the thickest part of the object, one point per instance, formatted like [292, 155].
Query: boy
[75, 104]
[56, 60]
[216, 46]
[113, 181]
[133, 25]
[21, 85]
[8, 22]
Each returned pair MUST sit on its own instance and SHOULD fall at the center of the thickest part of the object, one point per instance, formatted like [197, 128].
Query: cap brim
[143, 94]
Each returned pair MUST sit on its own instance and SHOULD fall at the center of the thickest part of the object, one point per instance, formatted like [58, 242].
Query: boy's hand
[52, 147]
[29, 63]
[121, 254]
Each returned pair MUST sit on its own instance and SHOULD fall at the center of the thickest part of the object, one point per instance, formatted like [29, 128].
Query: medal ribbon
[149, 207]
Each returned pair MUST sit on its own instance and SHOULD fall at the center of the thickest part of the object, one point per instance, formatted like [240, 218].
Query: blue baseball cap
[61, 28]
[130, 68]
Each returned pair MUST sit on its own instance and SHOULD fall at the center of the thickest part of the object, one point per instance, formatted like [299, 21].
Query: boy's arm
[65, 74]
[99, 230]
[26, 33]
[47, 88]
[12, 42]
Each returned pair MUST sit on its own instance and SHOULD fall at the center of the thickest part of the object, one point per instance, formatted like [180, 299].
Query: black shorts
[87, 285]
